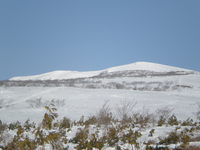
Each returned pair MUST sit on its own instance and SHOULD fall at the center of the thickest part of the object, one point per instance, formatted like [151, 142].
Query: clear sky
[38, 36]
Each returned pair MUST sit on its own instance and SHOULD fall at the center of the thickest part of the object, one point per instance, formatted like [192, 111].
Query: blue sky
[44, 35]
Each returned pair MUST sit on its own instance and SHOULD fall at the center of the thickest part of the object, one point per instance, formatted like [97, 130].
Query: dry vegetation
[103, 130]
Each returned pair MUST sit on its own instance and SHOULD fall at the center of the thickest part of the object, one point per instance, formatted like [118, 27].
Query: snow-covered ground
[179, 91]
[18, 102]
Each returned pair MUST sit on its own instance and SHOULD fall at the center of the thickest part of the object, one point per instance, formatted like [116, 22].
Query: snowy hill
[149, 66]
[60, 75]
[83, 93]
[142, 76]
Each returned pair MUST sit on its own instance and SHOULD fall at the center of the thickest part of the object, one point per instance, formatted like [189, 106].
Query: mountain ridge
[62, 74]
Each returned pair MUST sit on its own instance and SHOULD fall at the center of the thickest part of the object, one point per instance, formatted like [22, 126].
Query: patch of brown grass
[192, 148]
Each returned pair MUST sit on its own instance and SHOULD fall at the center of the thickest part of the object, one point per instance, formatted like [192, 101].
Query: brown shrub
[192, 148]
[195, 139]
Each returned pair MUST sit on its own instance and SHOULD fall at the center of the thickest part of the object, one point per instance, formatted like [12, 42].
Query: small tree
[173, 120]
[65, 123]
[49, 116]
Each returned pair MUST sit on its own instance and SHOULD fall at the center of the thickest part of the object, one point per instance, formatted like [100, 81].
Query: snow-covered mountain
[143, 76]
[142, 66]
[82, 93]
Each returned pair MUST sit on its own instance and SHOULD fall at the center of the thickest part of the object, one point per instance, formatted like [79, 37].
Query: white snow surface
[59, 75]
[21, 103]
[149, 66]
[17, 101]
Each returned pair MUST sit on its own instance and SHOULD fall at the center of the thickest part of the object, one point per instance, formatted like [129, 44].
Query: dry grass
[104, 115]
[195, 139]
[192, 148]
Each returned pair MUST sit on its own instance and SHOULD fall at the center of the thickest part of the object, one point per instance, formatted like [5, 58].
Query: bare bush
[39, 103]
[163, 115]
[104, 115]
[143, 119]
[165, 111]
[36, 103]
[125, 110]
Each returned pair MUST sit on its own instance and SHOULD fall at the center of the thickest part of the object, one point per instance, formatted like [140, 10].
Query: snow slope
[146, 66]
[20, 103]
[86, 96]
[59, 75]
